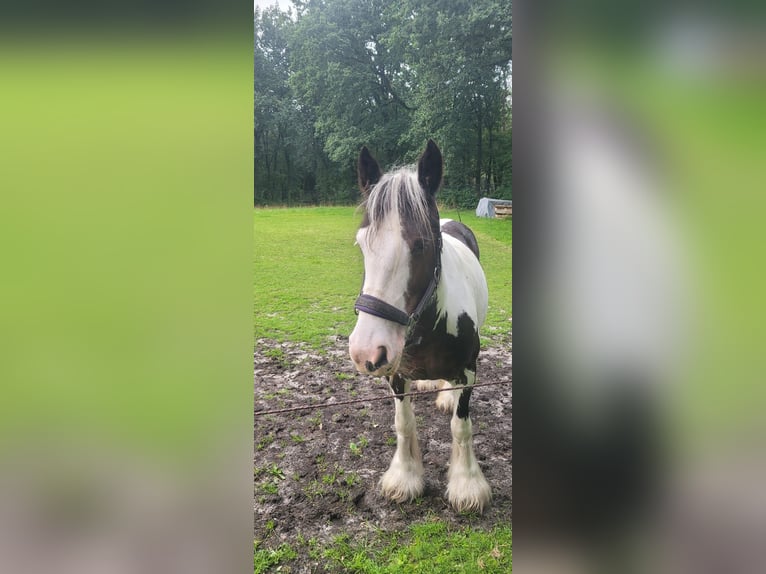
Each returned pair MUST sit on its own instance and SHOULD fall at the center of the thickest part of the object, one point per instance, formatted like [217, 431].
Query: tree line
[333, 75]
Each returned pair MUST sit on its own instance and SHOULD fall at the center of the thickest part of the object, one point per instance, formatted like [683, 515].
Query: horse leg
[467, 488]
[403, 480]
[445, 400]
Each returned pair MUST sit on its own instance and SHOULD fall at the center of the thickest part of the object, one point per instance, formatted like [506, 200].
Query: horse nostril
[382, 358]
[369, 366]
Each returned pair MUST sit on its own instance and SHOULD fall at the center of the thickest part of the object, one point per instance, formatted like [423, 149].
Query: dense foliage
[333, 75]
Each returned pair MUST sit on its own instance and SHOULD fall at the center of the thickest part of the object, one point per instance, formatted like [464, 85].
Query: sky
[266, 3]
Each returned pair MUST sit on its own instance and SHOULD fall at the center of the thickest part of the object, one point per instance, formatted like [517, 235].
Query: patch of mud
[316, 471]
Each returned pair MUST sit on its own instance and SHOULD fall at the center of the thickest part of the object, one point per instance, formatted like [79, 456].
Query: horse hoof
[469, 493]
[401, 486]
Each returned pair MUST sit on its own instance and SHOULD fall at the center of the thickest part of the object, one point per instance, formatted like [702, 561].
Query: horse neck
[463, 283]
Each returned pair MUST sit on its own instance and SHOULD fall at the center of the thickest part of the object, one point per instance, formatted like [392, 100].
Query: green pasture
[426, 547]
[308, 272]
[307, 275]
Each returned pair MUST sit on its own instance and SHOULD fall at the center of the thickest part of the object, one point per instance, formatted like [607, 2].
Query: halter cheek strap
[379, 308]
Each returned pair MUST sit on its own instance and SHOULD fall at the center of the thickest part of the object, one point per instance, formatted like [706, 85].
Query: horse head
[401, 242]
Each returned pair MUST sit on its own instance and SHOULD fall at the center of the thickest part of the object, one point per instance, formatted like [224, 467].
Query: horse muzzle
[375, 361]
[375, 352]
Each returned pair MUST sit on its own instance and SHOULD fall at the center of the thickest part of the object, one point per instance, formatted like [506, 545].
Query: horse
[422, 302]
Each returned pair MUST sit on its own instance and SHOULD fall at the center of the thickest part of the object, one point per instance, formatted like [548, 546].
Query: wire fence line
[370, 399]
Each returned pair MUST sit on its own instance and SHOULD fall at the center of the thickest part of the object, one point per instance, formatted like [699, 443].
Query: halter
[379, 308]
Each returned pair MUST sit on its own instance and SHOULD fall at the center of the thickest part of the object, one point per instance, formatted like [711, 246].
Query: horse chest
[438, 354]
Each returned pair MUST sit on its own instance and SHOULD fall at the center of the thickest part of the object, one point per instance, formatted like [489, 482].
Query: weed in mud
[270, 488]
[264, 442]
[391, 441]
[329, 479]
[358, 446]
[297, 439]
[315, 550]
[274, 475]
[314, 489]
[351, 479]
[273, 471]
[275, 353]
[276, 472]
[343, 376]
[266, 558]
[278, 355]
[332, 477]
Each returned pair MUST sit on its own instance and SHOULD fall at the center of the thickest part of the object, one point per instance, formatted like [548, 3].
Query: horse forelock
[399, 192]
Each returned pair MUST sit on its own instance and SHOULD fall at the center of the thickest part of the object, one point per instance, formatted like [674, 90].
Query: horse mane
[399, 191]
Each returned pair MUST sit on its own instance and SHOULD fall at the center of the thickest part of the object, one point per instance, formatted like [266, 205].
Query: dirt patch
[316, 471]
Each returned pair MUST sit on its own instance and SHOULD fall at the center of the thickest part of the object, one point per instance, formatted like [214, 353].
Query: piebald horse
[422, 303]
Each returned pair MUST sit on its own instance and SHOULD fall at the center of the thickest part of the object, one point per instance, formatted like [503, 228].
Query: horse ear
[430, 168]
[368, 171]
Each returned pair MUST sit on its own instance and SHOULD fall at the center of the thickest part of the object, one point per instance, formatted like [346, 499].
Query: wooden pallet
[503, 211]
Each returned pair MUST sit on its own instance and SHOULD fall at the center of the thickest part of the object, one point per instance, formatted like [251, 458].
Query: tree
[339, 74]
[460, 53]
[345, 70]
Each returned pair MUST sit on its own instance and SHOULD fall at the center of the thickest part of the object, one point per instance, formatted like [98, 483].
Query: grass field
[308, 272]
[428, 547]
[307, 275]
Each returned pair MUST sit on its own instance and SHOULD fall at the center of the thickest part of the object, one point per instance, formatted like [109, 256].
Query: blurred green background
[687, 84]
[126, 234]
[707, 127]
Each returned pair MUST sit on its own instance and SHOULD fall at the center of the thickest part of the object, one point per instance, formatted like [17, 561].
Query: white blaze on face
[386, 274]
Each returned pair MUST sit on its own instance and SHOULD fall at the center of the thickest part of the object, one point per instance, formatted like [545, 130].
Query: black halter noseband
[379, 308]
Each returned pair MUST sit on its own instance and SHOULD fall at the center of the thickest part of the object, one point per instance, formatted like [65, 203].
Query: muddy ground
[316, 471]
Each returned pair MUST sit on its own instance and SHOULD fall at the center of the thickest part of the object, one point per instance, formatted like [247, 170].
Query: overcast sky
[266, 3]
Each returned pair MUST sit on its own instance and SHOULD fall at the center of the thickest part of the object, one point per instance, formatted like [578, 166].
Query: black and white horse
[423, 301]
